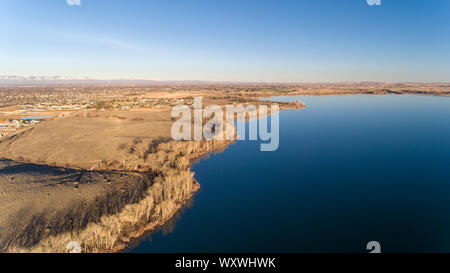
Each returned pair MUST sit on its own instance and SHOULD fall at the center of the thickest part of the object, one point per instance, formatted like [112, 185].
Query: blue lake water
[349, 170]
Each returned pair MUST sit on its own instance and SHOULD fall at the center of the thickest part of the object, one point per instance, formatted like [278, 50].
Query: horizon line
[12, 79]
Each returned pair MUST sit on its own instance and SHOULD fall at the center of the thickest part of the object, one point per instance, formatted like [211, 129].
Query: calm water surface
[349, 170]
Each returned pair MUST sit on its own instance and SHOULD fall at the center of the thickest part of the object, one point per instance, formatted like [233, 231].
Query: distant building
[31, 120]
[35, 118]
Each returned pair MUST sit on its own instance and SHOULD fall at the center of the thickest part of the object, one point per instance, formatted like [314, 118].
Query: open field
[39, 201]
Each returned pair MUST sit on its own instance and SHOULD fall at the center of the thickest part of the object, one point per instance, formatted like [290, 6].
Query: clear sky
[231, 40]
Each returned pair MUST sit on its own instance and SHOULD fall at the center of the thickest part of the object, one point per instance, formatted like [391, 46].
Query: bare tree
[139, 148]
[123, 154]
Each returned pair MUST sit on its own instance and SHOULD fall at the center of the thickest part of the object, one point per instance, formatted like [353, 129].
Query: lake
[349, 170]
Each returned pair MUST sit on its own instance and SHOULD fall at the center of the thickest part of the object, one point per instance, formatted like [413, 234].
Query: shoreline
[172, 184]
[150, 227]
[163, 209]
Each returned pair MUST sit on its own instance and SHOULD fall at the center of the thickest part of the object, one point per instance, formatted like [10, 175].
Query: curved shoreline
[112, 233]
[169, 165]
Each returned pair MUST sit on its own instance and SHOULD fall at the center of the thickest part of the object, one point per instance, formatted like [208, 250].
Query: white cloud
[73, 2]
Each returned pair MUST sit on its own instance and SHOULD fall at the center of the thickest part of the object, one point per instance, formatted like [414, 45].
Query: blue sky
[231, 40]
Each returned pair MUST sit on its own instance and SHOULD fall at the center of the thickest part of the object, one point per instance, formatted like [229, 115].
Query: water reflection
[165, 229]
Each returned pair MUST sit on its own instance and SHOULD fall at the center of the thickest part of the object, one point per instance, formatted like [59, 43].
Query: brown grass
[173, 185]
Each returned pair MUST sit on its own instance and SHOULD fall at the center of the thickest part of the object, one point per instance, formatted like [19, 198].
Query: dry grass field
[86, 138]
